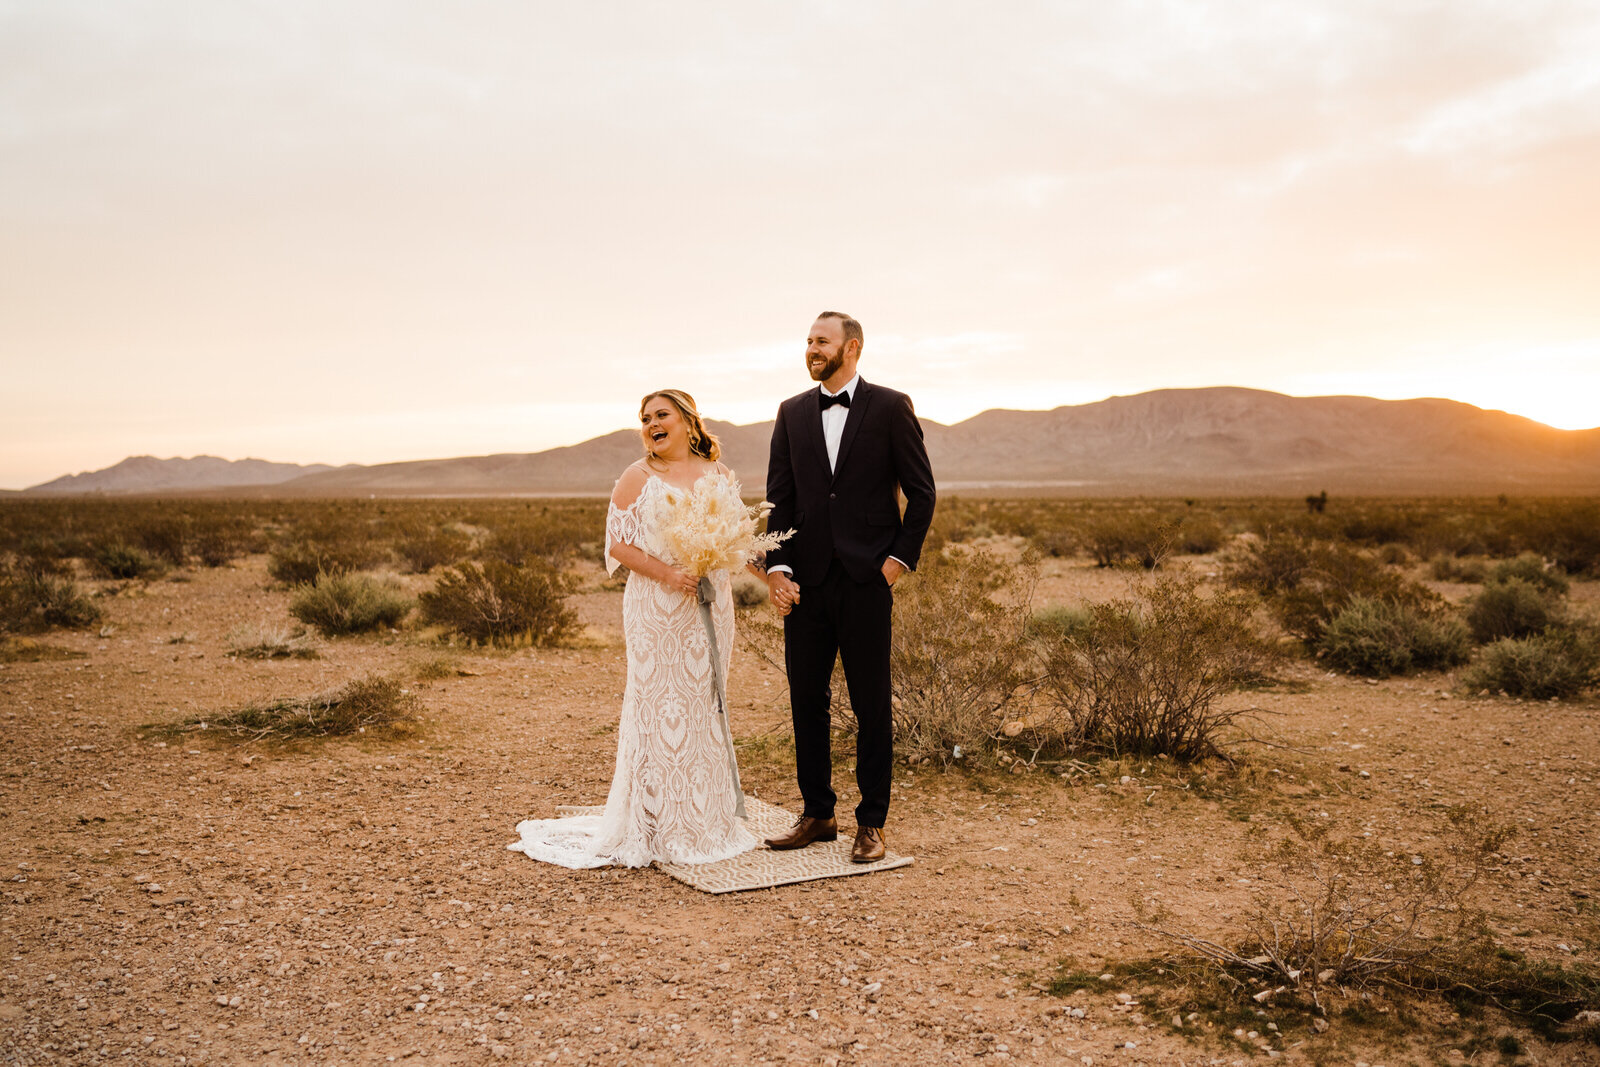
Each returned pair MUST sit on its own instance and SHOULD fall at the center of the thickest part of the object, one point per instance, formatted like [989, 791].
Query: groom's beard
[826, 371]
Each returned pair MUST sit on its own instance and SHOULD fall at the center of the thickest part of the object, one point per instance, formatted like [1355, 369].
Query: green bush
[499, 603]
[1555, 663]
[1513, 607]
[1379, 638]
[117, 559]
[1533, 570]
[349, 603]
[1334, 576]
[1144, 675]
[1059, 621]
[32, 602]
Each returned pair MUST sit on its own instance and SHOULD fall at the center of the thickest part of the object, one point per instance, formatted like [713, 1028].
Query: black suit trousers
[842, 619]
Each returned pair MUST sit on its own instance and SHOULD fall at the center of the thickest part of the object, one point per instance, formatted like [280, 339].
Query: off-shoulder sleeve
[624, 525]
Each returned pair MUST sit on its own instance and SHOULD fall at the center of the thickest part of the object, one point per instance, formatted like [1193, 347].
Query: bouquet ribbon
[705, 598]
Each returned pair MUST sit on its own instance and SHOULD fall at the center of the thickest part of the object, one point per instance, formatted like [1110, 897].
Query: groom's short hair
[852, 328]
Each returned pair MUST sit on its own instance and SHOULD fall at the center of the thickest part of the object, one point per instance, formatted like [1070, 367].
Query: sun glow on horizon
[367, 233]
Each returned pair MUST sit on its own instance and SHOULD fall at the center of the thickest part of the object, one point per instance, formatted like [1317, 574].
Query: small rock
[1012, 729]
[500, 1052]
[1077, 1013]
[1320, 1025]
[222, 1002]
[872, 989]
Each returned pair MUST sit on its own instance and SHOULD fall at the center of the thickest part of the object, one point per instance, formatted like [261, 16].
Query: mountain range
[1213, 440]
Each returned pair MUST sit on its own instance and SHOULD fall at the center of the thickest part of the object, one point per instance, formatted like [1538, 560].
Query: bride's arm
[636, 559]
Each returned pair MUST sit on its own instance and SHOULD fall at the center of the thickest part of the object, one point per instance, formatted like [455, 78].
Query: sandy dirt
[353, 901]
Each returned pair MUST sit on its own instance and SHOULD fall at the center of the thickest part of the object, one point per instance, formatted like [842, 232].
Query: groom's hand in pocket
[892, 570]
[784, 593]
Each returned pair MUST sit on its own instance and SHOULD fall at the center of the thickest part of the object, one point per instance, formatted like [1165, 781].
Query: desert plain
[188, 897]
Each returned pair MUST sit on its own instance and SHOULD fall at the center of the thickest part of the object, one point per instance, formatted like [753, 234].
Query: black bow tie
[842, 399]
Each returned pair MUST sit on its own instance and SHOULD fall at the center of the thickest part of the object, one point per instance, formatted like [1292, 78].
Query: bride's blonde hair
[701, 440]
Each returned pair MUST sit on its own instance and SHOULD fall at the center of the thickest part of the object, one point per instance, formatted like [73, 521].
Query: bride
[673, 795]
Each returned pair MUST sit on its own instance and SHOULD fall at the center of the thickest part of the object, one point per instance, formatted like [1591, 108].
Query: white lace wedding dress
[672, 795]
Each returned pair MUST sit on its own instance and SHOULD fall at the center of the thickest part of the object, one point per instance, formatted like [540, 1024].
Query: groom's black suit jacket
[853, 511]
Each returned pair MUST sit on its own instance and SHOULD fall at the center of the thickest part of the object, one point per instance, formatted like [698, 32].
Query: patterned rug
[762, 867]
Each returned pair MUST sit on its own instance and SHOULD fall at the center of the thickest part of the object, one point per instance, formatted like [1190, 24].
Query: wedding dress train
[672, 794]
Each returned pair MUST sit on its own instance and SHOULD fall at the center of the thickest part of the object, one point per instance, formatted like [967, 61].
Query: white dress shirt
[833, 420]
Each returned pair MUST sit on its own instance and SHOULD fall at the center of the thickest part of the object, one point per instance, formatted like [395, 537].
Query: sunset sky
[340, 231]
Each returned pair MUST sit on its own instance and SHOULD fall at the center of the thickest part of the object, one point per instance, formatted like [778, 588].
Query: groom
[841, 455]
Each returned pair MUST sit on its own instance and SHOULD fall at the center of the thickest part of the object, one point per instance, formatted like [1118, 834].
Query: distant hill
[1217, 440]
[147, 474]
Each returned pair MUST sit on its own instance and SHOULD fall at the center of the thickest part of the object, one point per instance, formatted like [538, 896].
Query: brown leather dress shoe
[869, 845]
[805, 830]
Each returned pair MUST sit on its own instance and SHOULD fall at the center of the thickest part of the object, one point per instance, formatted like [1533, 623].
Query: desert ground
[196, 899]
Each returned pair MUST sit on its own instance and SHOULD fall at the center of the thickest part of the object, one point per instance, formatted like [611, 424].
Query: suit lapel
[852, 423]
[813, 419]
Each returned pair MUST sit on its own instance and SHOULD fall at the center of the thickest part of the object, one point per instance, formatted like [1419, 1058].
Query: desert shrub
[1533, 570]
[366, 705]
[349, 603]
[1199, 535]
[1556, 663]
[748, 592]
[31, 602]
[1130, 537]
[270, 642]
[1059, 621]
[325, 542]
[423, 548]
[1144, 675]
[500, 603]
[221, 542]
[1566, 532]
[1337, 574]
[1450, 569]
[118, 559]
[1059, 542]
[1379, 638]
[550, 535]
[299, 561]
[1393, 554]
[1512, 608]
[1270, 564]
[959, 653]
[1335, 910]
[166, 539]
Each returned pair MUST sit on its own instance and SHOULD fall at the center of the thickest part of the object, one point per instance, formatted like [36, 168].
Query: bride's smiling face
[663, 428]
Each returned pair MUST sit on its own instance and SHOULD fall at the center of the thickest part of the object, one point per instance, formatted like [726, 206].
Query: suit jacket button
[833, 496]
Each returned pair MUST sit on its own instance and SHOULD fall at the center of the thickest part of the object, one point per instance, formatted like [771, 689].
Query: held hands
[785, 594]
